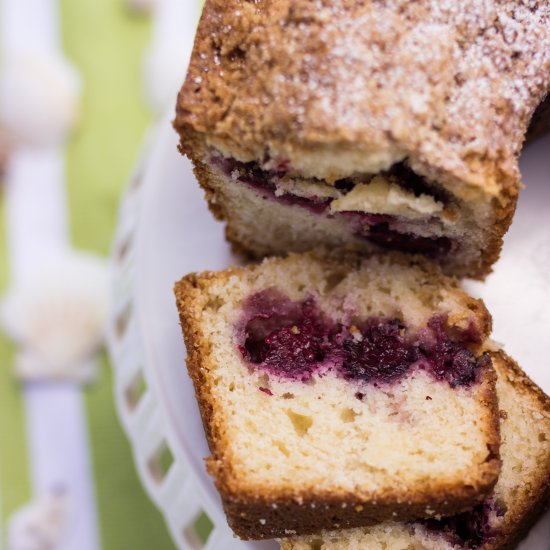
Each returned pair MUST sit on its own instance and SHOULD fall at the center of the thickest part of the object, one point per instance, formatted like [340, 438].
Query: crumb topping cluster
[450, 85]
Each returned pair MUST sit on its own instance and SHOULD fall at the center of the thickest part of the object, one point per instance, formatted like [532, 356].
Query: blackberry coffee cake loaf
[394, 125]
[338, 391]
[501, 520]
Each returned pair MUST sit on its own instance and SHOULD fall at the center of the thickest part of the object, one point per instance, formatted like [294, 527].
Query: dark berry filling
[470, 529]
[381, 352]
[345, 184]
[383, 236]
[380, 229]
[409, 180]
[294, 340]
[295, 351]
[449, 359]
[282, 336]
[376, 228]
[263, 181]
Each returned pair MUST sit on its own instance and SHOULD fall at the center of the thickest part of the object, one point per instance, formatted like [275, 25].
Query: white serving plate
[165, 231]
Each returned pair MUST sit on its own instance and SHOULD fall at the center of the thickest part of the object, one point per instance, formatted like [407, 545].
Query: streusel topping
[448, 85]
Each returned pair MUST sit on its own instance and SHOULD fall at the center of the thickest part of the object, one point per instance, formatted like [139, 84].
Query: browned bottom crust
[260, 520]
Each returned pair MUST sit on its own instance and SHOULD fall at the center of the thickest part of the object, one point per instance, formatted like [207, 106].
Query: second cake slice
[338, 391]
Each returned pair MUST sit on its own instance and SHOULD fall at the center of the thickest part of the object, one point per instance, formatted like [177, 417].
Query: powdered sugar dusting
[451, 84]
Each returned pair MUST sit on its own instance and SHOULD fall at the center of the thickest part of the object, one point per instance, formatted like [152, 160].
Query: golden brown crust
[533, 497]
[306, 517]
[503, 213]
[254, 513]
[256, 87]
[460, 80]
[188, 292]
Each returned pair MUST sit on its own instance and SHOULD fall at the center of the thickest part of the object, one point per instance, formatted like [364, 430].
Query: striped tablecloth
[106, 42]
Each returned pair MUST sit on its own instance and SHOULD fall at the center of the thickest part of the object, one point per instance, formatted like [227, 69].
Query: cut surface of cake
[306, 130]
[338, 391]
[504, 518]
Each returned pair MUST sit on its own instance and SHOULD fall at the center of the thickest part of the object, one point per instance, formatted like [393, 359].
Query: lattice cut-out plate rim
[192, 511]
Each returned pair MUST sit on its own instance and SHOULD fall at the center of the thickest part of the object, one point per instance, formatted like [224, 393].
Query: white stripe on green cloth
[37, 229]
[100, 158]
[107, 45]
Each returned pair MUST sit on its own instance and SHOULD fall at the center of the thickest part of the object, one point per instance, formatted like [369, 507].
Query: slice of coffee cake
[306, 130]
[502, 520]
[338, 391]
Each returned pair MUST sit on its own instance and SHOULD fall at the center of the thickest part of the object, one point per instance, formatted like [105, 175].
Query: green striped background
[106, 43]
